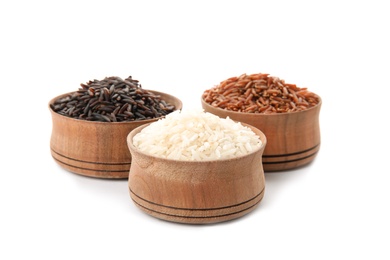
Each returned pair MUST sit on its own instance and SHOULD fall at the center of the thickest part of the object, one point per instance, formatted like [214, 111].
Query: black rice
[112, 100]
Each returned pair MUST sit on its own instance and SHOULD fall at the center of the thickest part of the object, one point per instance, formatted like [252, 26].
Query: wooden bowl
[293, 139]
[196, 192]
[95, 149]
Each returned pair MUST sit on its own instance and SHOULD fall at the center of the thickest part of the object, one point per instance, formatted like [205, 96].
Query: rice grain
[196, 136]
[259, 93]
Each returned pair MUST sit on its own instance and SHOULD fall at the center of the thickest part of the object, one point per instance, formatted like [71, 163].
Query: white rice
[196, 135]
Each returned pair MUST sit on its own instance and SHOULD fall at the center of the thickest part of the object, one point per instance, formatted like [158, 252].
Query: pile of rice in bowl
[196, 135]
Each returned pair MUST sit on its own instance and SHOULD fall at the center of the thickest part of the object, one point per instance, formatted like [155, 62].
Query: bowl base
[196, 216]
[92, 169]
[283, 162]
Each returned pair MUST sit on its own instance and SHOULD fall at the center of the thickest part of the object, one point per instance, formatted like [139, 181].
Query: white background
[335, 208]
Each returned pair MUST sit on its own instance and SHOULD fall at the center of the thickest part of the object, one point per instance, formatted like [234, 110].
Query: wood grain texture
[293, 139]
[196, 192]
[95, 149]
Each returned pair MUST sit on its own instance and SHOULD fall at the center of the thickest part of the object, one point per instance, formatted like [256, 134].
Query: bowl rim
[116, 123]
[318, 105]
[136, 130]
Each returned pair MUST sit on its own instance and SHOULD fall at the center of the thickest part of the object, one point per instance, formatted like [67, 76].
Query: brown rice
[259, 93]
